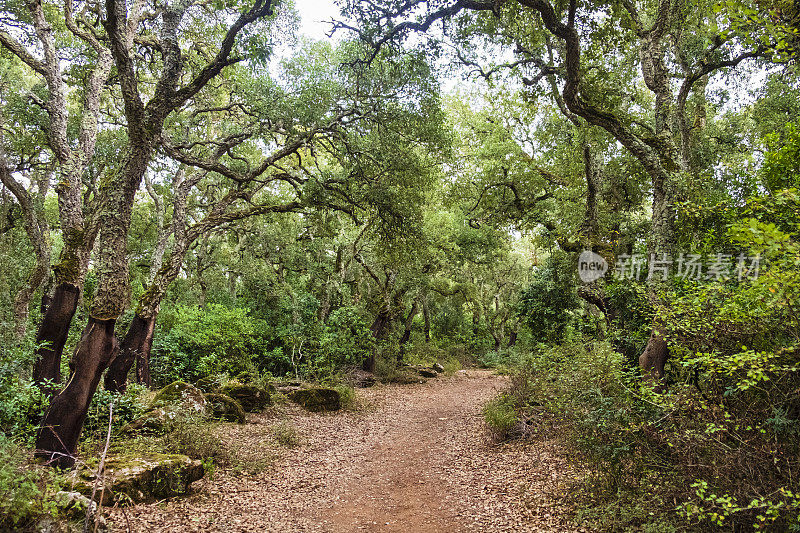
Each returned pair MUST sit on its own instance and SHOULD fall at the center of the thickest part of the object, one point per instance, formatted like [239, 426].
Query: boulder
[226, 408]
[189, 396]
[437, 367]
[316, 398]
[362, 379]
[427, 372]
[153, 421]
[208, 384]
[250, 397]
[73, 506]
[139, 479]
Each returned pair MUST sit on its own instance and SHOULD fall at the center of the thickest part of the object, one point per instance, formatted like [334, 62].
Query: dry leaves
[418, 461]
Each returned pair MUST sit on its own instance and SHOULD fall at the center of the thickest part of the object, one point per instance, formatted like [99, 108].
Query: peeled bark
[58, 437]
[427, 316]
[135, 347]
[53, 331]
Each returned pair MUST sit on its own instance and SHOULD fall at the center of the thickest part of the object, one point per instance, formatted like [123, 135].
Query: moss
[68, 269]
[178, 391]
[317, 399]
[154, 476]
[251, 397]
[226, 408]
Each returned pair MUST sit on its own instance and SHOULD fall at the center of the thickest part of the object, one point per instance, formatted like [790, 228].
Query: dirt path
[417, 461]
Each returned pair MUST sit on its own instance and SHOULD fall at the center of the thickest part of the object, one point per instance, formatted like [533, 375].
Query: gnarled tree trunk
[62, 424]
[135, 348]
[53, 331]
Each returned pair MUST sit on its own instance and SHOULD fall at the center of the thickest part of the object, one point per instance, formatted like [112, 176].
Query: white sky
[314, 14]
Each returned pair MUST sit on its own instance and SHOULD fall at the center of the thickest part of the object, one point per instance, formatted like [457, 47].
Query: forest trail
[418, 460]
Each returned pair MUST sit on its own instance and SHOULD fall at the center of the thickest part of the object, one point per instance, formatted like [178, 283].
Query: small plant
[24, 489]
[501, 417]
[347, 397]
[191, 436]
[286, 435]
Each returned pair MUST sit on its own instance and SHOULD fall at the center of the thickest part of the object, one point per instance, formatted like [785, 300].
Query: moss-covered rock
[316, 398]
[208, 384]
[224, 407]
[251, 397]
[139, 479]
[189, 396]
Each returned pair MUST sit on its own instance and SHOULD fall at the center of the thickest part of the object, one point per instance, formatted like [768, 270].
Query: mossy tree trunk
[57, 440]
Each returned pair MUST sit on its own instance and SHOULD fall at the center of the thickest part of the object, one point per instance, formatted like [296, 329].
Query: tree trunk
[53, 331]
[512, 338]
[407, 331]
[58, 437]
[654, 357]
[426, 313]
[135, 347]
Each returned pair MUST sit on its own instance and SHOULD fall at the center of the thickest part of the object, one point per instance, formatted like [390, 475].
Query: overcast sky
[314, 14]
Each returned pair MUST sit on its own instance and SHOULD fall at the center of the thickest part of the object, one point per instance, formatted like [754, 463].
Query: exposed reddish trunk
[135, 347]
[143, 362]
[378, 328]
[57, 441]
[427, 316]
[53, 331]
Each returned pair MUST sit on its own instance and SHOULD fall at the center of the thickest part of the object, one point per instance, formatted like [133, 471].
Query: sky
[313, 14]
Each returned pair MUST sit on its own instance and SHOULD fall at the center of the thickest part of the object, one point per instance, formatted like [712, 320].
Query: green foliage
[215, 339]
[25, 489]
[22, 404]
[127, 407]
[286, 435]
[546, 303]
[501, 416]
[346, 342]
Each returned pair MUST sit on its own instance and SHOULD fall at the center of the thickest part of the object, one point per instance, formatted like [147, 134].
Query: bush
[22, 404]
[215, 339]
[501, 416]
[24, 489]
[127, 407]
[346, 342]
[286, 435]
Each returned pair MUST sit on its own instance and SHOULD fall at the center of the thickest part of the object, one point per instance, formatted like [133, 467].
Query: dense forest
[596, 199]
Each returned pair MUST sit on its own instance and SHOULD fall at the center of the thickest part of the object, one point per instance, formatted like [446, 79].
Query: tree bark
[135, 348]
[409, 322]
[61, 428]
[53, 331]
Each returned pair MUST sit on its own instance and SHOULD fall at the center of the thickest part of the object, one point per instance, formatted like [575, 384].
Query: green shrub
[127, 407]
[501, 416]
[346, 342]
[24, 489]
[286, 435]
[212, 340]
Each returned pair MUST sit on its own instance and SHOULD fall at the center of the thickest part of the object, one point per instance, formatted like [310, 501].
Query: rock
[427, 373]
[437, 367]
[226, 408]
[362, 379]
[404, 377]
[189, 396]
[153, 421]
[316, 398]
[140, 479]
[250, 397]
[74, 505]
[208, 384]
